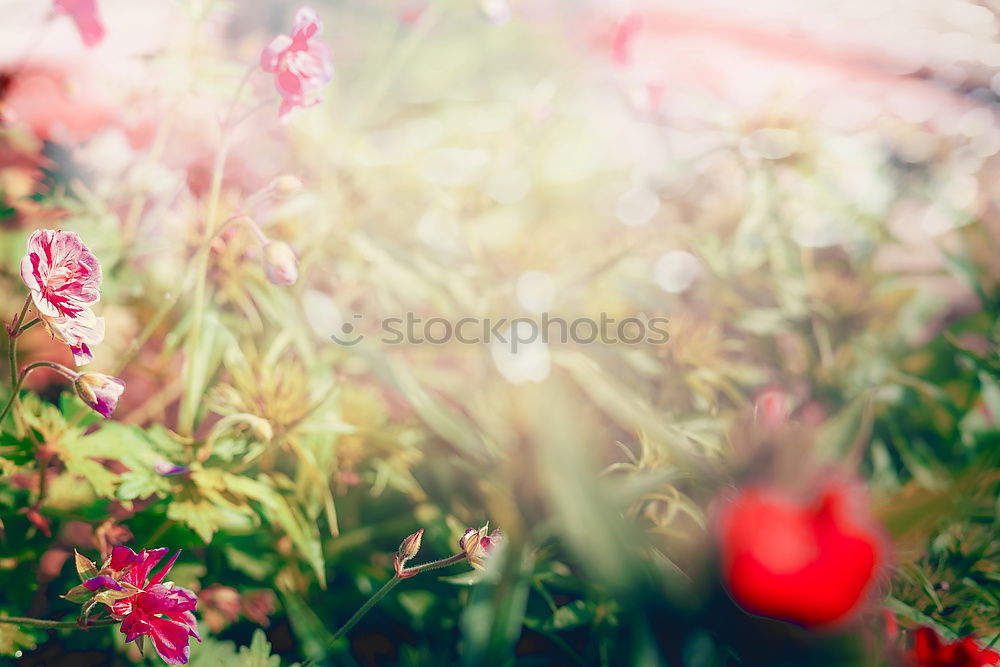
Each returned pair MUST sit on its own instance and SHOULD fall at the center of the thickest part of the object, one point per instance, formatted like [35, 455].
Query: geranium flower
[101, 392]
[810, 563]
[930, 651]
[85, 16]
[160, 609]
[300, 63]
[81, 332]
[478, 545]
[63, 275]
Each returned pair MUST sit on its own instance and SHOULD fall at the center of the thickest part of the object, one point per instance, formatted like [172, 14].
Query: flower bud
[101, 392]
[478, 545]
[286, 185]
[168, 469]
[38, 521]
[407, 550]
[411, 545]
[280, 263]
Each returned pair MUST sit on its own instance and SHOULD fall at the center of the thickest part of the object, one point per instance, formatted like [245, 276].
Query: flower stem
[353, 620]
[25, 327]
[389, 585]
[187, 413]
[192, 393]
[19, 380]
[12, 334]
[434, 565]
[42, 623]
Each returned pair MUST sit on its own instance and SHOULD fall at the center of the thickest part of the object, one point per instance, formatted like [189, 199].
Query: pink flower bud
[101, 392]
[407, 550]
[280, 263]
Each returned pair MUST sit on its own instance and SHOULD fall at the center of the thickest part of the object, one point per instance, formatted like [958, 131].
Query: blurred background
[808, 192]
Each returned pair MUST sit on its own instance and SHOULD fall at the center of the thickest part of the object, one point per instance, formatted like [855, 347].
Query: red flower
[161, 610]
[807, 563]
[301, 64]
[930, 651]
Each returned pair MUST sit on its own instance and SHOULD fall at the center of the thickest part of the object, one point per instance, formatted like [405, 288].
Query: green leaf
[571, 615]
[100, 478]
[17, 450]
[13, 639]
[258, 654]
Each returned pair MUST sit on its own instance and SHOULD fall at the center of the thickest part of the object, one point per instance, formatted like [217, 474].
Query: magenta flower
[301, 64]
[63, 275]
[162, 611]
[80, 332]
[84, 14]
[102, 581]
[101, 392]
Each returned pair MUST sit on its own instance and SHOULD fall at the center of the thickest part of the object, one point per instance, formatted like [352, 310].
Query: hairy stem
[389, 585]
[19, 380]
[42, 623]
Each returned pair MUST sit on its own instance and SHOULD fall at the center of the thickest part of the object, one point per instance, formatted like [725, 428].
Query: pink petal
[170, 639]
[135, 624]
[139, 573]
[270, 57]
[122, 557]
[158, 577]
[188, 619]
[288, 84]
[286, 108]
[166, 598]
[307, 24]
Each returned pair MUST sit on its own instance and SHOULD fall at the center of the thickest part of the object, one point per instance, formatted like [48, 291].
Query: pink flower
[160, 610]
[101, 392]
[81, 333]
[479, 544]
[84, 14]
[63, 275]
[301, 65]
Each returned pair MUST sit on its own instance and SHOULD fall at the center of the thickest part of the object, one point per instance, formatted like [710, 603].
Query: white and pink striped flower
[82, 333]
[63, 275]
[64, 278]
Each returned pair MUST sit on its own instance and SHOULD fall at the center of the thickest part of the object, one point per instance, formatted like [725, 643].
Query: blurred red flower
[930, 651]
[809, 563]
